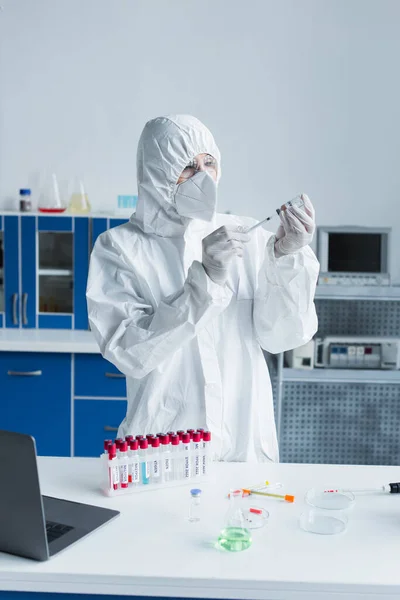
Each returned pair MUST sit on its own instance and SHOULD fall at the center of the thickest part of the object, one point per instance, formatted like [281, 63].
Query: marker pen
[185, 451]
[155, 460]
[196, 449]
[113, 468]
[123, 465]
[206, 452]
[176, 457]
[134, 467]
[166, 466]
[144, 465]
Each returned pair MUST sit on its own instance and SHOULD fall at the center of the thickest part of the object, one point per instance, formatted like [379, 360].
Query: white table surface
[152, 550]
[47, 340]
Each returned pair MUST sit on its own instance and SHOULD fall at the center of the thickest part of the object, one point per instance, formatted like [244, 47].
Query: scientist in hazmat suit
[181, 299]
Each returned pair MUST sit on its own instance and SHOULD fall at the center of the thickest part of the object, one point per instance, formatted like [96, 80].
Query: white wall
[301, 95]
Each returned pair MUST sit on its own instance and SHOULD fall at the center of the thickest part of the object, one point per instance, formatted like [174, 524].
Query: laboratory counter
[48, 340]
[151, 549]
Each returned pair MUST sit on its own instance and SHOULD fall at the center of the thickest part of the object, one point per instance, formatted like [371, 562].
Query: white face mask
[196, 197]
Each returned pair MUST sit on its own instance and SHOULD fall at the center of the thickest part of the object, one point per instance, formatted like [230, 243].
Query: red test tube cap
[197, 436]
[155, 442]
[207, 436]
[164, 439]
[175, 440]
[144, 444]
[112, 451]
[186, 438]
[134, 444]
[123, 447]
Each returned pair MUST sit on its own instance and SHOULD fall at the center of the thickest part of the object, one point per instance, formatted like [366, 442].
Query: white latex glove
[219, 249]
[296, 229]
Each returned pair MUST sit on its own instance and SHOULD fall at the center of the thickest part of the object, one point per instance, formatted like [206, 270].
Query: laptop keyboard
[56, 530]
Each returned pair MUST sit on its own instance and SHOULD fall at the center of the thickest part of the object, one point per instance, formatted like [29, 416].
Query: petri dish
[330, 500]
[323, 522]
[255, 517]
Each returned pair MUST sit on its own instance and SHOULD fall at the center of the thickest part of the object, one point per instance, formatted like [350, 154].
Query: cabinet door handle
[14, 309]
[24, 373]
[115, 375]
[109, 428]
[24, 302]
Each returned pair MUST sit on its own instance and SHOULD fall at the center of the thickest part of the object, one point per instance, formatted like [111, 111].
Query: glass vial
[194, 508]
[25, 201]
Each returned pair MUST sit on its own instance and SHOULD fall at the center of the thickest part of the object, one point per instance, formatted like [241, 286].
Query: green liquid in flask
[235, 539]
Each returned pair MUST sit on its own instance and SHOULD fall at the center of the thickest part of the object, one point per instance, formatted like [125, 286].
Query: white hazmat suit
[190, 348]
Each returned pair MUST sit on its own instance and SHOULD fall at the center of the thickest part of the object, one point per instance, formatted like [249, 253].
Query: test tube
[180, 433]
[123, 465]
[155, 460]
[113, 468]
[144, 464]
[176, 458]
[166, 466]
[134, 469]
[206, 452]
[185, 451]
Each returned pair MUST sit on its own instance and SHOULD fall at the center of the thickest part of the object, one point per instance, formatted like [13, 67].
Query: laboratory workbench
[152, 550]
[48, 340]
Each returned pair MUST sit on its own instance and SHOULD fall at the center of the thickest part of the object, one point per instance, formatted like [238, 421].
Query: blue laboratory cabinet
[44, 262]
[69, 402]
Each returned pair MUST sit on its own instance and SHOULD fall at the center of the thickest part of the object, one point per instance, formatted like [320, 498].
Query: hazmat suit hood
[166, 146]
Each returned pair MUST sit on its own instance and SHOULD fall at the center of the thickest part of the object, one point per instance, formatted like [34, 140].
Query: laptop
[32, 525]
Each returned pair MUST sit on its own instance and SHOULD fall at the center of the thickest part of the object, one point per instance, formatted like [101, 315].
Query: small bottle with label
[176, 458]
[25, 201]
[196, 454]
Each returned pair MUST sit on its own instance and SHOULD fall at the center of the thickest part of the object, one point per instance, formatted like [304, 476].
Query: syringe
[392, 488]
[298, 201]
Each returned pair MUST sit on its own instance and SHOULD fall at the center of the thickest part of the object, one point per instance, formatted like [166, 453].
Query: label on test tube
[196, 454]
[134, 466]
[156, 467]
[186, 456]
[113, 468]
[123, 465]
[205, 452]
[144, 457]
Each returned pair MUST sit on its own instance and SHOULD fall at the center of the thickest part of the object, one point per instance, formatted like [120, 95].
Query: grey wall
[302, 95]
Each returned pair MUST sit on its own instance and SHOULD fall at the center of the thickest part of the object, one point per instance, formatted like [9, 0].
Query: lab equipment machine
[357, 352]
[301, 357]
[354, 255]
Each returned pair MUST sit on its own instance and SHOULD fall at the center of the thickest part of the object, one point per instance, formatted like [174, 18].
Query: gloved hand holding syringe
[297, 201]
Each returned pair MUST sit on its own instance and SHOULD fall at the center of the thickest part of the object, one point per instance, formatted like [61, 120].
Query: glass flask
[235, 537]
[50, 200]
[79, 202]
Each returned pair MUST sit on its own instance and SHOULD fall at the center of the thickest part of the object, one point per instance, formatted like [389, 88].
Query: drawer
[35, 398]
[93, 421]
[95, 376]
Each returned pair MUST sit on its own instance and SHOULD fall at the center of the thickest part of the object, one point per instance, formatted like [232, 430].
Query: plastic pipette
[392, 488]
[285, 497]
[298, 201]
